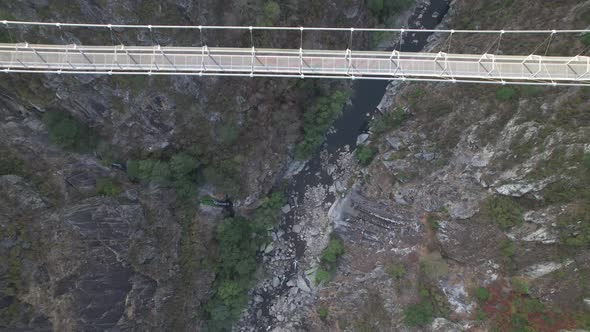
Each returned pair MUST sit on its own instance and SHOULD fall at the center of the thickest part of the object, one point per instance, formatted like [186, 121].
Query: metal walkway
[302, 63]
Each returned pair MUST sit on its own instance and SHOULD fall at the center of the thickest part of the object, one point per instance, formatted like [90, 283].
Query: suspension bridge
[491, 68]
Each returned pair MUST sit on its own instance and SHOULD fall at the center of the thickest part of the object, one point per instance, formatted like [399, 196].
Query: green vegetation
[504, 211]
[228, 133]
[520, 285]
[482, 294]
[10, 163]
[574, 225]
[586, 160]
[508, 249]
[389, 121]
[108, 187]
[329, 261]
[207, 200]
[238, 241]
[323, 312]
[365, 154]
[5, 35]
[419, 314]
[180, 172]
[317, 120]
[432, 221]
[506, 94]
[69, 133]
[271, 12]
[586, 39]
[396, 271]
[383, 9]
[518, 311]
[224, 175]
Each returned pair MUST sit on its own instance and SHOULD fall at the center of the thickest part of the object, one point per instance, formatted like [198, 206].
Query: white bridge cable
[219, 27]
[163, 73]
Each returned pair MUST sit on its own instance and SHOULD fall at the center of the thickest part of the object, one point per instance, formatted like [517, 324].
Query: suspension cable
[218, 27]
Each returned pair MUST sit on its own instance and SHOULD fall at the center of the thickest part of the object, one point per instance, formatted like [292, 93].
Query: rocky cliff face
[469, 216]
[79, 256]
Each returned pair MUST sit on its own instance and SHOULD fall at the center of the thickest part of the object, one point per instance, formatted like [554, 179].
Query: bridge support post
[253, 60]
[204, 52]
[398, 66]
[444, 68]
[487, 56]
[348, 59]
[538, 60]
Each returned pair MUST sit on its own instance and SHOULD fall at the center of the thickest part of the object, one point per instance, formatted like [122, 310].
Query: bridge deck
[260, 62]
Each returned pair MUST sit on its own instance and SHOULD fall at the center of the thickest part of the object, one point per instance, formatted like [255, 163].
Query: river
[367, 94]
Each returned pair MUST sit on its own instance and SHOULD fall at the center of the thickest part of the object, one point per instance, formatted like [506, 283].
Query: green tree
[389, 121]
[140, 169]
[68, 133]
[586, 160]
[504, 211]
[482, 294]
[317, 120]
[506, 94]
[183, 164]
[271, 12]
[329, 260]
[419, 314]
[396, 271]
[323, 312]
[365, 154]
[108, 187]
[160, 172]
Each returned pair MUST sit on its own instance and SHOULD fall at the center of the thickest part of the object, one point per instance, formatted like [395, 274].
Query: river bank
[285, 295]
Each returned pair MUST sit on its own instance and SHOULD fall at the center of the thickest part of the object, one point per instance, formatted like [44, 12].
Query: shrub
[365, 155]
[420, 314]
[140, 169]
[225, 176]
[389, 121]
[382, 9]
[322, 276]
[323, 312]
[183, 165]
[586, 39]
[574, 225]
[520, 285]
[329, 261]
[68, 133]
[228, 133]
[108, 187]
[396, 271]
[504, 211]
[160, 172]
[506, 94]
[316, 122]
[10, 163]
[271, 12]
[238, 241]
[482, 294]
[235, 267]
[334, 250]
[508, 248]
[586, 160]
[432, 222]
